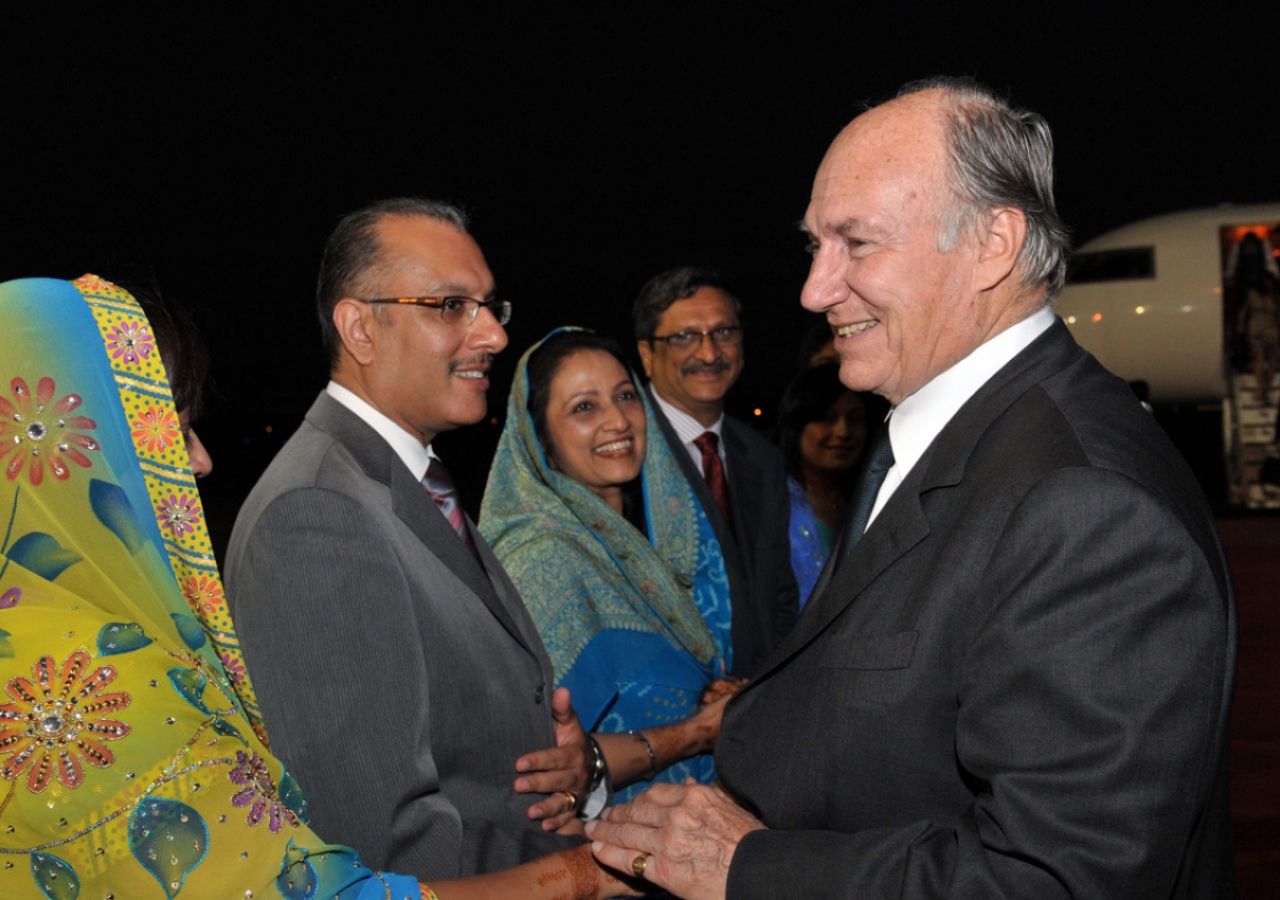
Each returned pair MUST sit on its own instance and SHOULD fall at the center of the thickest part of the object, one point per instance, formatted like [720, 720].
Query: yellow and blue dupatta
[132, 761]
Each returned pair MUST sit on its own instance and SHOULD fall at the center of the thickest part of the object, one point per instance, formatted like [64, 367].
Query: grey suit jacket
[1017, 685]
[757, 549]
[399, 680]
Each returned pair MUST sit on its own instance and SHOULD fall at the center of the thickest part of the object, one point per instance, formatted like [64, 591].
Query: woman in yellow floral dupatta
[131, 762]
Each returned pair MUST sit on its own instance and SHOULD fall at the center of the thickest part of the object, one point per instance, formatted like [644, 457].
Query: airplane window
[1129, 264]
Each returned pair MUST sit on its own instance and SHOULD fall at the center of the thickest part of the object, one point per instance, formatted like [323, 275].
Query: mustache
[694, 366]
[479, 359]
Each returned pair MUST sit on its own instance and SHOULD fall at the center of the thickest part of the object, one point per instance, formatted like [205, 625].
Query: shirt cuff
[597, 800]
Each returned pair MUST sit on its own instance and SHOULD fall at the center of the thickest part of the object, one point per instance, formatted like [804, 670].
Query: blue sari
[810, 540]
[636, 627]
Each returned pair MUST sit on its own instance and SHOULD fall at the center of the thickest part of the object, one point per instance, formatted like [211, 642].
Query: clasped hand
[687, 833]
[557, 770]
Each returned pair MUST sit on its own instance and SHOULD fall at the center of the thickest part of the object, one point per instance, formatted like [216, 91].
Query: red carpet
[1253, 552]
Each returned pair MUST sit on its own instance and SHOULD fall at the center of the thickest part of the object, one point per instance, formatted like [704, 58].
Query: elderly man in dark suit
[688, 328]
[1015, 682]
[399, 674]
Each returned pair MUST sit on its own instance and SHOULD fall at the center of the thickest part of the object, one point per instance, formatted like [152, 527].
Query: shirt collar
[407, 447]
[917, 420]
[686, 426]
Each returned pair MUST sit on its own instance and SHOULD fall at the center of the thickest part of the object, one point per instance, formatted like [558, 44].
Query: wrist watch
[596, 766]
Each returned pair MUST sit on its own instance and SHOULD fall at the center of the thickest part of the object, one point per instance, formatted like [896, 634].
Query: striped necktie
[444, 491]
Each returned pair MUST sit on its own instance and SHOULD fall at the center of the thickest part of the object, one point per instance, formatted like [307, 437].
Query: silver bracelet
[653, 760]
[597, 767]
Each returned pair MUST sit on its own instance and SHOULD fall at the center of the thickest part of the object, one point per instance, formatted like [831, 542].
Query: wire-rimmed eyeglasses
[724, 336]
[455, 310]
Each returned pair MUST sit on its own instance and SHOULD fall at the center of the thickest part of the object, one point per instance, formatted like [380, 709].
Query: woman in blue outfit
[600, 531]
[823, 430]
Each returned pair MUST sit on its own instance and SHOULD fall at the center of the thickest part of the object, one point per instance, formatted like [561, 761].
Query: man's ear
[354, 321]
[999, 245]
[645, 349]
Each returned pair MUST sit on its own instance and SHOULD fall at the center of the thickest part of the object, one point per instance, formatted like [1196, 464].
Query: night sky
[211, 152]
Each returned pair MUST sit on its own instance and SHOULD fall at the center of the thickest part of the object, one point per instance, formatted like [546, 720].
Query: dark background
[211, 152]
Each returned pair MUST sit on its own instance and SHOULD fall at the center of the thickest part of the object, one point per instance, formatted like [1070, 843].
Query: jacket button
[537, 696]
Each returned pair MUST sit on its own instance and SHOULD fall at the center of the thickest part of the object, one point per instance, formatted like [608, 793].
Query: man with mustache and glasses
[400, 677]
[688, 332]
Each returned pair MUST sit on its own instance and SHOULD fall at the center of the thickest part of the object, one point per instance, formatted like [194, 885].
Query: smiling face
[902, 311]
[834, 443]
[697, 379]
[424, 374]
[595, 425]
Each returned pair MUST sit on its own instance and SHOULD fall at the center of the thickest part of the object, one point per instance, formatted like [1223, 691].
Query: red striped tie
[713, 471]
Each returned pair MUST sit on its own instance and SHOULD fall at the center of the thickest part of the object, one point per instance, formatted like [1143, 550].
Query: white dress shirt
[690, 429]
[406, 446]
[916, 421]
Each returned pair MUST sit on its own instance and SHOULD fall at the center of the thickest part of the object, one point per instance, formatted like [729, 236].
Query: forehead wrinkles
[890, 161]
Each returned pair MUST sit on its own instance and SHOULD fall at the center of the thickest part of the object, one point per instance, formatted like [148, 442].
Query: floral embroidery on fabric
[10, 597]
[203, 593]
[156, 430]
[179, 513]
[93, 284]
[130, 342]
[56, 721]
[234, 667]
[260, 791]
[33, 430]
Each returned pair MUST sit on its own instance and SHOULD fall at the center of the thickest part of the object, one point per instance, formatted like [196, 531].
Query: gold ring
[638, 866]
[573, 799]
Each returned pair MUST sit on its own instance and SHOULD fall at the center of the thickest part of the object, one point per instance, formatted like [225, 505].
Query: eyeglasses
[724, 336]
[455, 310]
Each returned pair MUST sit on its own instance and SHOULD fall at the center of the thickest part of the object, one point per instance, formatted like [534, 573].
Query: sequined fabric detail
[57, 720]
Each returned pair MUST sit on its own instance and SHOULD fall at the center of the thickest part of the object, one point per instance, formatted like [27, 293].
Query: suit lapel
[412, 504]
[746, 479]
[900, 526]
[518, 620]
[903, 524]
[733, 556]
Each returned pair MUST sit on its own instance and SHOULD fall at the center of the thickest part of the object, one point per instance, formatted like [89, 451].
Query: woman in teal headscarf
[611, 551]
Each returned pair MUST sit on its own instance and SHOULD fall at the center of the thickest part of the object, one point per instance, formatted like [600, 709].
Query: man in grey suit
[399, 675]
[688, 328]
[1016, 680]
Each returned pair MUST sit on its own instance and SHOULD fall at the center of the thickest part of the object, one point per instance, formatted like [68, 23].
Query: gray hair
[352, 252]
[1000, 156]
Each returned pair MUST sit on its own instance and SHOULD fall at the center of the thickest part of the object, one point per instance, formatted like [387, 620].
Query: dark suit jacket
[1018, 683]
[399, 680]
[757, 549]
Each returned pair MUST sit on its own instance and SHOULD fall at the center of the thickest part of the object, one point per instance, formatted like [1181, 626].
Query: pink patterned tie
[440, 485]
